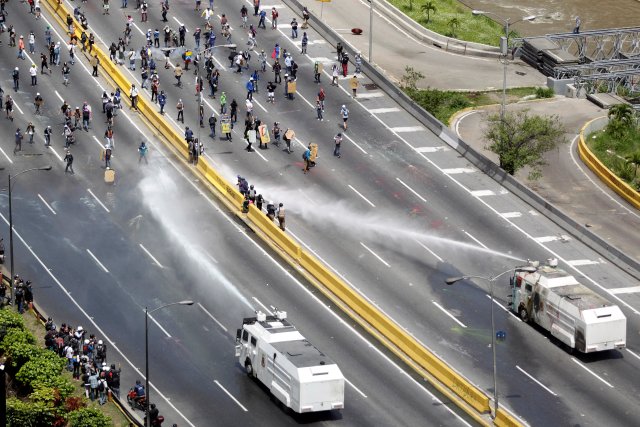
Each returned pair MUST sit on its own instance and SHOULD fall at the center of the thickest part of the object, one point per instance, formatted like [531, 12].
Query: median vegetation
[452, 19]
[443, 104]
[617, 146]
[40, 392]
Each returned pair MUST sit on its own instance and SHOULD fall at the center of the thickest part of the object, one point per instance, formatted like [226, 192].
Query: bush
[10, 319]
[19, 346]
[43, 369]
[88, 417]
[544, 92]
[31, 414]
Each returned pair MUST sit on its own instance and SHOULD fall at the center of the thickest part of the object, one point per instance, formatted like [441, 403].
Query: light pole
[504, 49]
[491, 280]
[147, 421]
[371, 31]
[44, 168]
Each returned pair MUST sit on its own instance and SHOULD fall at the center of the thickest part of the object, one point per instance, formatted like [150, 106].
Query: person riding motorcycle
[139, 389]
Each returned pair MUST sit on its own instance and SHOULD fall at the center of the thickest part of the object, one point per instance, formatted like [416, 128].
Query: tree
[620, 119]
[521, 140]
[410, 79]
[454, 24]
[427, 8]
[634, 160]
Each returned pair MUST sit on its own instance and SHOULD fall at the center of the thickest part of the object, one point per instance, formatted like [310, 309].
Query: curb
[605, 175]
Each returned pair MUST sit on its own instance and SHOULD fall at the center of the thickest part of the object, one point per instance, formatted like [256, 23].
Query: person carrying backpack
[306, 156]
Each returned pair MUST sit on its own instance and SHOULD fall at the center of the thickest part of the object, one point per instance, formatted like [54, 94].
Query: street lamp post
[491, 280]
[147, 419]
[44, 168]
[505, 49]
[371, 31]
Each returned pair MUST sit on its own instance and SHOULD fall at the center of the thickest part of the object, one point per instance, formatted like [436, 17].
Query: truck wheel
[249, 368]
[524, 314]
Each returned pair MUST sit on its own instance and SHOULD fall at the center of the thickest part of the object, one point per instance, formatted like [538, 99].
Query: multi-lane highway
[394, 216]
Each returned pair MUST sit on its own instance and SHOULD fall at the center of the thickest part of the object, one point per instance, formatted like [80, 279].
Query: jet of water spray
[159, 193]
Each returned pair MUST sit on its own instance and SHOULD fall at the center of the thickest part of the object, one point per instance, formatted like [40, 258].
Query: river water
[559, 15]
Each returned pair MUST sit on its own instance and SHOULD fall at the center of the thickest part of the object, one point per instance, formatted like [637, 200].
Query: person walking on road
[65, 74]
[354, 83]
[47, 136]
[162, 100]
[94, 64]
[337, 142]
[19, 138]
[281, 216]
[21, 48]
[294, 29]
[212, 125]
[180, 108]
[133, 93]
[319, 110]
[334, 75]
[107, 156]
[8, 107]
[305, 42]
[33, 72]
[68, 158]
[38, 102]
[344, 112]
[16, 79]
[142, 151]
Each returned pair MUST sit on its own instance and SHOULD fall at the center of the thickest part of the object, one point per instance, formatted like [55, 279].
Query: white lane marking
[47, 204]
[366, 95]
[402, 129]
[578, 262]
[455, 171]
[263, 306]
[97, 261]
[359, 194]
[56, 154]
[430, 251]
[59, 96]
[150, 256]
[384, 110]
[97, 141]
[504, 308]
[475, 240]
[98, 200]
[354, 143]
[412, 190]
[322, 59]
[431, 149]
[211, 257]
[355, 388]
[533, 213]
[91, 320]
[546, 239]
[213, 318]
[468, 113]
[627, 290]
[536, 381]
[375, 254]
[260, 154]
[181, 24]
[231, 396]
[482, 193]
[591, 372]
[159, 326]
[511, 214]
[633, 354]
[318, 41]
[259, 105]
[5, 155]
[305, 100]
[449, 314]
[15, 104]
[270, 6]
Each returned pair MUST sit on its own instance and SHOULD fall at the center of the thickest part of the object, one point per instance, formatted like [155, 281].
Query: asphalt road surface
[397, 214]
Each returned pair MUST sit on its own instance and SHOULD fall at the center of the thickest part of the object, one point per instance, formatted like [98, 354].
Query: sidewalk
[393, 49]
[566, 182]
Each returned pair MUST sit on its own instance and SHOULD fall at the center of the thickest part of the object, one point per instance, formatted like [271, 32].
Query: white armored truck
[274, 352]
[571, 312]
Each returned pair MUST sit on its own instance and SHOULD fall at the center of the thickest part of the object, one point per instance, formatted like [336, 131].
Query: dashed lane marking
[404, 129]
[449, 314]
[150, 256]
[97, 261]
[511, 214]
[627, 290]
[360, 194]
[431, 149]
[483, 193]
[579, 262]
[455, 171]
[384, 110]
[47, 204]
[375, 254]
[231, 396]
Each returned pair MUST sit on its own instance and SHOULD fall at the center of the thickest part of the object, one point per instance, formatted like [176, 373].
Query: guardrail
[623, 189]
